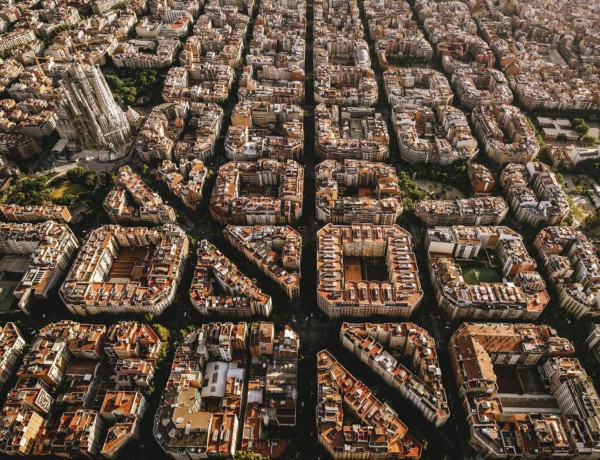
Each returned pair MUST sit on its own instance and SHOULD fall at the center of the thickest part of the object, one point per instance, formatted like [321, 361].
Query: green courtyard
[66, 187]
[474, 275]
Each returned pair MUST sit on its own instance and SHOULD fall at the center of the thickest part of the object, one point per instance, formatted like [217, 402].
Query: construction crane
[75, 47]
[44, 76]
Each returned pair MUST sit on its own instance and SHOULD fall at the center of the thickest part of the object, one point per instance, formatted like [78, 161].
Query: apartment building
[272, 388]
[453, 33]
[125, 410]
[416, 86]
[126, 269]
[577, 154]
[345, 286]
[10, 69]
[356, 192]
[335, 44]
[275, 62]
[146, 53]
[162, 137]
[441, 136]
[377, 430]
[284, 92]
[42, 252]
[572, 266]
[110, 29]
[200, 409]
[186, 181]
[131, 200]
[356, 133]
[505, 133]
[534, 194]
[12, 345]
[16, 213]
[481, 179]
[16, 39]
[211, 43]
[378, 345]
[547, 68]
[267, 192]
[198, 82]
[560, 424]
[275, 250]
[519, 293]
[592, 341]
[8, 168]
[487, 210]
[481, 86]
[396, 36]
[242, 298]
[129, 340]
[27, 123]
[345, 85]
[265, 130]
[66, 357]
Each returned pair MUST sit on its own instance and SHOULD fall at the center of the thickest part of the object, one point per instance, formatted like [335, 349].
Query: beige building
[266, 192]
[438, 136]
[505, 133]
[379, 345]
[519, 293]
[535, 195]
[276, 250]
[47, 246]
[241, 299]
[357, 133]
[572, 266]
[345, 284]
[16, 213]
[508, 423]
[126, 269]
[185, 426]
[356, 192]
[148, 205]
[376, 430]
[488, 210]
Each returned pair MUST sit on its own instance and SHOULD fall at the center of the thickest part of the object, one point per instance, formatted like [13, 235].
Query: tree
[577, 121]
[589, 140]
[19, 198]
[582, 129]
[66, 200]
[243, 455]
[162, 332]
[90, 180]
[107, 178]
[114, 82]
[77, 175]
[149, 317]
[409, 187]
[562, 137]
[560, 178]
[408, 206]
